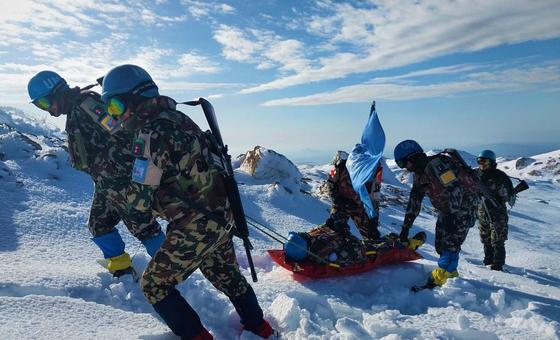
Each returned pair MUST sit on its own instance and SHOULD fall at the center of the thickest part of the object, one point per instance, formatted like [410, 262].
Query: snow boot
[417, 240]
[430, 284]
[179, 316]
[248, 308]
[265, 331]
[127, 271]
[499, 256]
[251, 314]
[488, 254]
[204, 335]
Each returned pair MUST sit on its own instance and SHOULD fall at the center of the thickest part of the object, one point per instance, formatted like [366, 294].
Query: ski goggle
[483, 161]
[115, 107]
[44, 103]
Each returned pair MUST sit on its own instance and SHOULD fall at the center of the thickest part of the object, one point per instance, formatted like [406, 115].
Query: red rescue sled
[318, 271]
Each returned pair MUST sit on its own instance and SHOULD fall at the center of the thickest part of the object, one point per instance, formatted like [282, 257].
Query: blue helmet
[128, 79]
[406, 148]
[489, 154]
[296, 247]
[43, 83]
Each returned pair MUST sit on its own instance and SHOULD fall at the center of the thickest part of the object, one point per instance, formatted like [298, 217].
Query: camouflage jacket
[340, 187]
[175, 164]
[447, 185]
[499, 185]
[106, 157]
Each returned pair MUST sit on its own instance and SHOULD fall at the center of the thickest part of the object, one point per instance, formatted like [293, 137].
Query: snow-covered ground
[52, 288]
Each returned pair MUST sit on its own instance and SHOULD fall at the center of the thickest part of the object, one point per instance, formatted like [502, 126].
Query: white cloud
[392, 33]
[201, 9]
[25, 21]
[524, 77]
[261, 47]
[191, 86]
[236, 45]
[195, 63]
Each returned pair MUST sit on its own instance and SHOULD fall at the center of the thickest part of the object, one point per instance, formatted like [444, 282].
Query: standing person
[493, 219]
[106, 158]
[347, 204]
[178, 173]
[453, 193]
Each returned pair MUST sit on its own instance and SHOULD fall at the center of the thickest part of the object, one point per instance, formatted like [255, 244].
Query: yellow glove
[119, 262]
[414, 243]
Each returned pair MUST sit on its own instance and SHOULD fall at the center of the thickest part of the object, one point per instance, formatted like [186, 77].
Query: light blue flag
[364, 158]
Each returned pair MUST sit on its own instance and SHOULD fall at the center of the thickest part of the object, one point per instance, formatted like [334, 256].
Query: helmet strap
[143, 87]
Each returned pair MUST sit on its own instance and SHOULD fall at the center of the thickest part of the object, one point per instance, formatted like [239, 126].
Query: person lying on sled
[325, 245]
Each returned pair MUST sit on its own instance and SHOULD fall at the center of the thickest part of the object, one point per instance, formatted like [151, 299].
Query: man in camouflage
[178, 173]
[346, 203]
[105, 157]
[453, 193]
[493, 219]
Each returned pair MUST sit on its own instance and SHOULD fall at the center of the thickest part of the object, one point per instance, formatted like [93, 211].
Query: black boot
[499, 256]
[248, 309]
[179, 315]
[488, 254]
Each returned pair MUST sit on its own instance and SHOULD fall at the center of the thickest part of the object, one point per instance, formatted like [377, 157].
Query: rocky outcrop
[268, 165]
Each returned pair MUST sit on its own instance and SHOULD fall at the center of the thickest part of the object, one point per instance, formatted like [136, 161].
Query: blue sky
[298, 76]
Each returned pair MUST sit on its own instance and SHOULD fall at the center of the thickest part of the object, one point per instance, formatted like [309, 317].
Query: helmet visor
[483, 161]
[44, 103]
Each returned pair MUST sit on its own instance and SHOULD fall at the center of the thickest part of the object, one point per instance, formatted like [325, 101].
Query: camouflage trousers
[494, 229]
[340, 213]
[323, 242]
[108, 208]
[452, 229]
[200, 244]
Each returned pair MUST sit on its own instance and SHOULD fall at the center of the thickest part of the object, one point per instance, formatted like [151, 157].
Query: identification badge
[138, 147]
[447, 177]
[110, 123]
[140, 170]
[99, 111]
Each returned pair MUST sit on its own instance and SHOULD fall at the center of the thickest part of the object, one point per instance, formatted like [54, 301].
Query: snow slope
[51, 286]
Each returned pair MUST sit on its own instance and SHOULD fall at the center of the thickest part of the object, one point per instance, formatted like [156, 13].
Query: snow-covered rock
[264, 164]
[543, 167]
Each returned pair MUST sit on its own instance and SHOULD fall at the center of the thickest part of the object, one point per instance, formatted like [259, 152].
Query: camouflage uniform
[107, 159]
[332, 247]
[454, 194]
[181, 170]
[178, 173]
[347, 204]
[493, 231]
